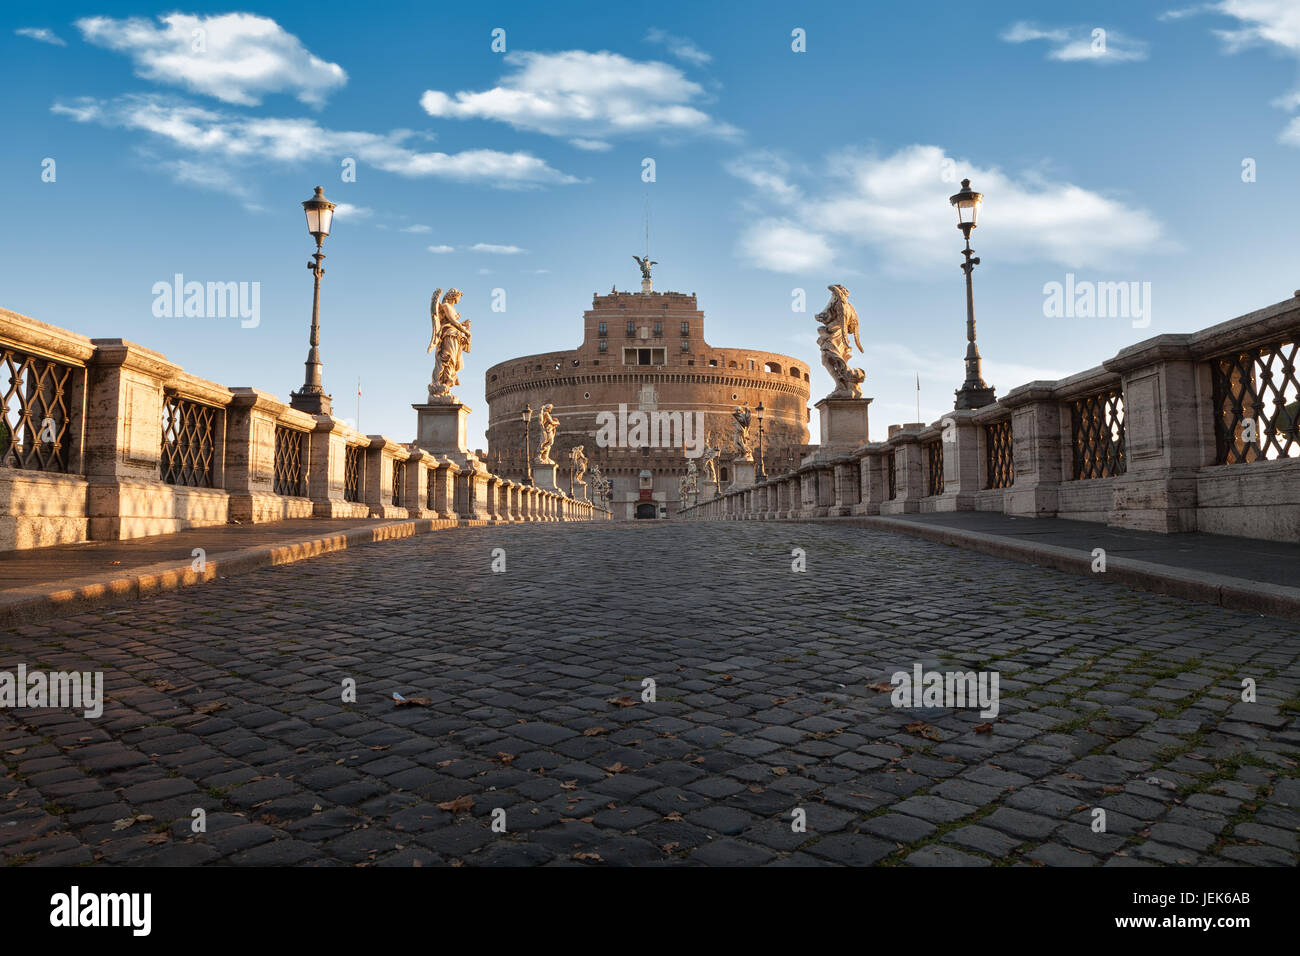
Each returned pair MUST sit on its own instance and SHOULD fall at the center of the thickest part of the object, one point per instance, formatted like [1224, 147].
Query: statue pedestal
[742, 474]
[441, 427]
[544, 477]
[708, 490]
[844, 423]
[646, 285]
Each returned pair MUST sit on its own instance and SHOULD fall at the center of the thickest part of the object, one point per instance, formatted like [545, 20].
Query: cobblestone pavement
[227, 697]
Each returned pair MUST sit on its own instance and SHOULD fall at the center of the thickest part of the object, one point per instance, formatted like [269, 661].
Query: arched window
[772, 367]
[794, 371]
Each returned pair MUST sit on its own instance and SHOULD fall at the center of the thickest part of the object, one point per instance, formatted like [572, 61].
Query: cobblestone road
[227, 697]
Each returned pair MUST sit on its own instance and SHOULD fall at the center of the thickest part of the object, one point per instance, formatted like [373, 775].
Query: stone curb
[1226, 591]
[39, 602]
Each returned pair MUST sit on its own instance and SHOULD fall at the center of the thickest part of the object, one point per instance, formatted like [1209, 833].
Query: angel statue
[838, 321]
[451, 338]
[579, 460]
[692, 477]
[740, 436]
[683, 490]
[710, 458]
[645, 265]
[597, 483]
[549, 425]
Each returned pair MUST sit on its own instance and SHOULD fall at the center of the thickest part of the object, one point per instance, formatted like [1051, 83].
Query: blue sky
[522, 171]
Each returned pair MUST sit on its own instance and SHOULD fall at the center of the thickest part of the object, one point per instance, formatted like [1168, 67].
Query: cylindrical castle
[646, 352]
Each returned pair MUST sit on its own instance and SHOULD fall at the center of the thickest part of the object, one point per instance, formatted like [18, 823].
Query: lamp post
[760, 410]
[527, 416]
[974, 392]
[311, 398]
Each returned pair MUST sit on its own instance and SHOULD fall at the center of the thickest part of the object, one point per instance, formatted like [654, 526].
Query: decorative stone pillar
[1038, 452]
[1168, 435]
[873, 481]
[382, 457]
[846, 486]
[909, 471]
[444, 493]
[250, 457]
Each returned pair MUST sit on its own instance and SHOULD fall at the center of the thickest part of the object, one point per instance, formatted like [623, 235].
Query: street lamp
[312, 398]
[760, 410]
[527, 416]
[974, 392]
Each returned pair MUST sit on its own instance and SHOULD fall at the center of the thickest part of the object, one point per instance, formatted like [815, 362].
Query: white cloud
[591, 145]
[237, 141]
[779, 245]
[897, 207]
[586, 98]
[349, 211]
[767, 173]
[42, 35]
[442, 250]
[1085, 43]
[1267, 23]
[680, 47]
[235, 57]
[416, 227]
[1264, 23]
[496, 250]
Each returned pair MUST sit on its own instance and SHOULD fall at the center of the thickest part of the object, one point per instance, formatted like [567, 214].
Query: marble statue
[740, 435]
[836, 324]
[579, 460]
[549, 425]
[710, 459]
[451, 339]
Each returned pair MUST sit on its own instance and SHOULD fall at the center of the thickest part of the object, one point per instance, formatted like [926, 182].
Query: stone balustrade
[1180, 432]
[106, 439]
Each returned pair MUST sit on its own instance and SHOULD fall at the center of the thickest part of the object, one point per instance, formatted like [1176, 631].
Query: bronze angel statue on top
[836, 324]
[645, 265]
[451, 339]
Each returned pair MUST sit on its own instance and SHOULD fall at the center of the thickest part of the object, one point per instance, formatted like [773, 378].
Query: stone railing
[105, 439]
[1189, 432]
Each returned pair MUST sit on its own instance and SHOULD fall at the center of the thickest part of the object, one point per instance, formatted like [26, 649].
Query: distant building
[647, 352]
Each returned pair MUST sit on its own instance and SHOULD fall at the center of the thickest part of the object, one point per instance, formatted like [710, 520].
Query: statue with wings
[645, 265]
[740, 433]
[837, 332]
[451, 339]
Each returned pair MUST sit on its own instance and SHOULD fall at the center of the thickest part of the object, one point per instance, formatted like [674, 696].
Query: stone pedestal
[843, 423]
[441, 427]
[708, 490]
[742, 474]
[544, 476]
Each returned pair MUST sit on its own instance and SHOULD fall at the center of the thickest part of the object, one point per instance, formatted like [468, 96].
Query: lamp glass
[320, 214]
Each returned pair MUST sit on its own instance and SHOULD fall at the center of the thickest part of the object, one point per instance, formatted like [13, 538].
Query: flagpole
[918, 396]
[358, 403]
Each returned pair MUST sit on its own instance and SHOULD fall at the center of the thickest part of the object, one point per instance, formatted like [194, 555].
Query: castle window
[772, 367]
[659, 328]
[713, 363]
[686, 346]
[794, 371]
[604, 328]
[686, 328]
[603, 346]
[631, 327]
[722, 474]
